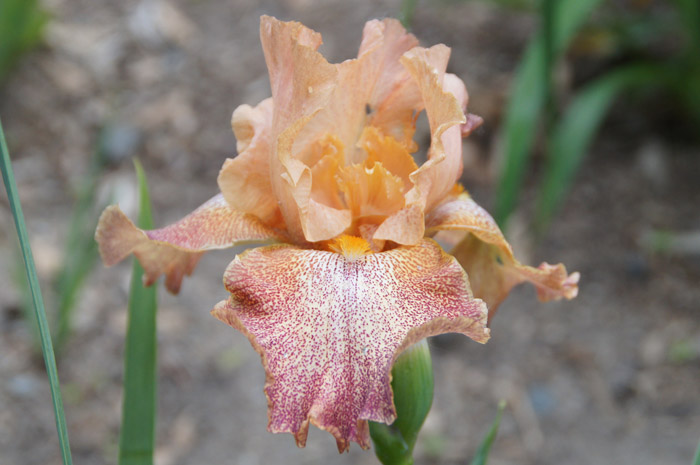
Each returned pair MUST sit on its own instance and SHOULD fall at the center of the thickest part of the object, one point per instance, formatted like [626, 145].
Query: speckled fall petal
[488, 258]
[328, 328]
[175, 249]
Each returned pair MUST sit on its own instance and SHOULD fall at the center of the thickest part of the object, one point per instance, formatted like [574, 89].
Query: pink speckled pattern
[176, 249]
[328, 329]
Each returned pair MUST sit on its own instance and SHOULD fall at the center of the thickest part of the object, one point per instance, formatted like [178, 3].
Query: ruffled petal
[301, 81]
[364, 84]
[245, 180]
[328, 328]
[488, 258]
[175, 249]
[443, 97]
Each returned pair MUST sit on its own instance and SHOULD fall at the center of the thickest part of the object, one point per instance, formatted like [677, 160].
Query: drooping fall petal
[175, 249]
[328, 327]
[488, 258]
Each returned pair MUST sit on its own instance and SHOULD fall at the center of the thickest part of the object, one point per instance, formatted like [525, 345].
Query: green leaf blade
[137, 439]
[39, 309]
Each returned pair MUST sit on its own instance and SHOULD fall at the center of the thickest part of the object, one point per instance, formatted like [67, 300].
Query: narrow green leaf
[412, 385]
[482, 454]
[696, 460]
[528, 98]
[44, 332]
[571, 138]
[136, 443]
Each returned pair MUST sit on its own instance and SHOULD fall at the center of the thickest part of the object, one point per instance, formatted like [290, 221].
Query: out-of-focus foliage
[21, 27]
[482, 454]
[531, 93]
[79, 258]
[81, 248]
[653, 47]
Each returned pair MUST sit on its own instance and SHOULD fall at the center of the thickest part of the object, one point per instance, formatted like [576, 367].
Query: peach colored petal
[364, 86]
[328, 329]
[488, 258]
[327, 158]
[245, 180]
[444, 97]
[175, 249]
[395, 97]
[301, 81]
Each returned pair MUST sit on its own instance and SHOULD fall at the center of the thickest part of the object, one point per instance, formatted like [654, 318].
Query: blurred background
[588, 155]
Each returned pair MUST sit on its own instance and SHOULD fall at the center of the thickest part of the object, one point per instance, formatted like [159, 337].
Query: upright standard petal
[245, 180]
[488, 258]
[329, 326]
[175, 249]
[444, 98]
[302, 82]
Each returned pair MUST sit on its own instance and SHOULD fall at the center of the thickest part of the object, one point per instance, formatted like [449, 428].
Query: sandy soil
[609, 378]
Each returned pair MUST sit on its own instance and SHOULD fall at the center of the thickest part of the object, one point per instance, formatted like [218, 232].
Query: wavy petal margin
[488, 258]
[328, 328]
[176, 249]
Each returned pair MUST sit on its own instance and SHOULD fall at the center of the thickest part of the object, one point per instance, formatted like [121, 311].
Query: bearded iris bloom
[324, 170]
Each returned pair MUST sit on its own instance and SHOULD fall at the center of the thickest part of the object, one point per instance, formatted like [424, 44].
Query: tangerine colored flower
[324, 168]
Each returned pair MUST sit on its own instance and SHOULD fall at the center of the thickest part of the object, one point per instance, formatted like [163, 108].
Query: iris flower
[324, 170]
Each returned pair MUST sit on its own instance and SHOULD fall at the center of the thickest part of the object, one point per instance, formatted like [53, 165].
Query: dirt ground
[610, 378]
